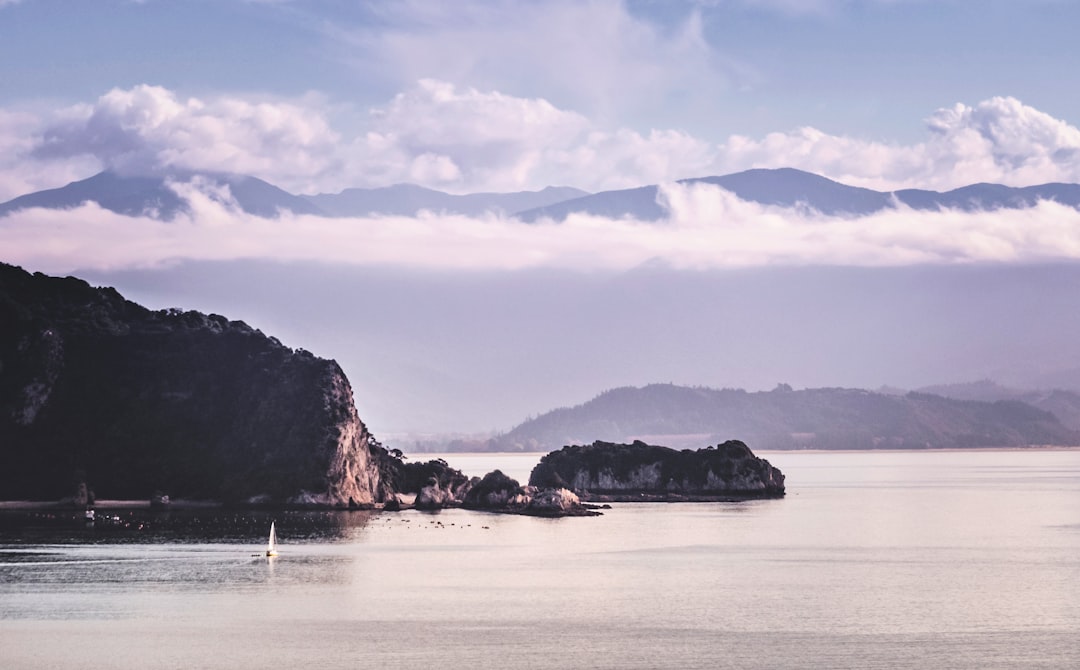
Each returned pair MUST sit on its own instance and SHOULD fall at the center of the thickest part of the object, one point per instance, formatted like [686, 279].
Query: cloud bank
[461, 140]
[707, 228]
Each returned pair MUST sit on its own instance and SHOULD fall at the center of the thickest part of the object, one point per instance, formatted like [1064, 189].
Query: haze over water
[886, 559]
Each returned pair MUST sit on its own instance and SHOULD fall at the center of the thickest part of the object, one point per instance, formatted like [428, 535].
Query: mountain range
[783, 187]
[788, 187]
[151, 195]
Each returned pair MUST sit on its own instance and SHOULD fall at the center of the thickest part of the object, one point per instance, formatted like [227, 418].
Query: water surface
[873, 560]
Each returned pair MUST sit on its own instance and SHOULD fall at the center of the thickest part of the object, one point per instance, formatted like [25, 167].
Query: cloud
[707, 228]
[464, 139]
[801, 8]
[435, 134]
[488, 141]
[596, 56]
[471, 139]
[149, 128]
[1000, 140]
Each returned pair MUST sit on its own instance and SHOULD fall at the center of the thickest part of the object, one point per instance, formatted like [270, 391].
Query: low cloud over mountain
[787, 217]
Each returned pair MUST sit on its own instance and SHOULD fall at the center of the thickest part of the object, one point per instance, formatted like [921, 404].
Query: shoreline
[958, 450]
[185, 504]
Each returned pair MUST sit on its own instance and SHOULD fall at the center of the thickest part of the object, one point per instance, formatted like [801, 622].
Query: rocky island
[607, 472]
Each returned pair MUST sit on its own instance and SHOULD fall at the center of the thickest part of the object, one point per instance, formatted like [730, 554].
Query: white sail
[271, 545]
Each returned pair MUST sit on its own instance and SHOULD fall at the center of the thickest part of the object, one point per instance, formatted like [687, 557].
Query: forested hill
[828, 418]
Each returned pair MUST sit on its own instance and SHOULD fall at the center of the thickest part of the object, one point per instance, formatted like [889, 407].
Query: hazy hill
[150, 196]
[830, 418]
[1063, 404]
[409, 200]
[788, 187]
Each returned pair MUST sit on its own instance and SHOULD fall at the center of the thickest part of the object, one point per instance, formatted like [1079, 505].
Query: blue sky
[873, 68]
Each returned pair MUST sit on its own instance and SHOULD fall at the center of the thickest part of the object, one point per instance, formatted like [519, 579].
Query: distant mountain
[784, 187]
[149, 195]
[788, 187]
[409, 200]
[829, 418]
[1063, 404]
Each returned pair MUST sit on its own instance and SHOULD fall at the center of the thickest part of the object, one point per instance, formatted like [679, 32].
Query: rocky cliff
[644, 471]
[97, 390]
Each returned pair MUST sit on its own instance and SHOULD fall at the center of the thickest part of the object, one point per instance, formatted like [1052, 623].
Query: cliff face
[95, 388]
[605, 468]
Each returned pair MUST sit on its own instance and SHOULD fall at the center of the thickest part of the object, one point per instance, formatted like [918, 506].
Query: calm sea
[873, 560]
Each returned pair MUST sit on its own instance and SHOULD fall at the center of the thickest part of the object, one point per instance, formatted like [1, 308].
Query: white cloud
[459, 139]
[594, 56]
[467, 140]
[708, 228]
[149, 127]
[1000, 140]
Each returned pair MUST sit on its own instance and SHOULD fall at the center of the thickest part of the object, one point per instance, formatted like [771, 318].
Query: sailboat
[271, 544]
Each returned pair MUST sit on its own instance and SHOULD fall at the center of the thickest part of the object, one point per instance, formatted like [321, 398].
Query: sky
[510, 95]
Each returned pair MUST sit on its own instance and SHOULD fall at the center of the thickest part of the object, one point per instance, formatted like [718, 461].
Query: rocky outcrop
[557, 502]
[497, 492]
[435, 484]
[188, 404]
[639, 471]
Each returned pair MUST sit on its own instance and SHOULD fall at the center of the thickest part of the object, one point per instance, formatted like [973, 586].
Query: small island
[608, 472]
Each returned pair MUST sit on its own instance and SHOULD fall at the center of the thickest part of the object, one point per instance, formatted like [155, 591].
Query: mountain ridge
[151, 195]
[777, 187]
[790, 187]
[410, 199]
